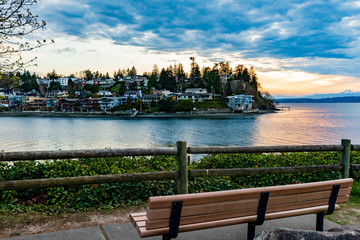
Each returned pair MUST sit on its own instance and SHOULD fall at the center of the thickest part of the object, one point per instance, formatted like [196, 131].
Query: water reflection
[304, 124]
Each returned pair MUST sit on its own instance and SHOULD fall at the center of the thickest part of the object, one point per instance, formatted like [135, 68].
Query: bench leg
[332, 202]
[251, 231]
[320, 222]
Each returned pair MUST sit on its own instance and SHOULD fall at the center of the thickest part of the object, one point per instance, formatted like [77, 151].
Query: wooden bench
[168, 215]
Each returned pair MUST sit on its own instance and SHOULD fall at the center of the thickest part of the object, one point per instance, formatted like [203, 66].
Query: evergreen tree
[180, 73]
[167, 80]
[52, 75]
[54, 86]
[201, 83]
[194, 71]
[155, 71]
[245, 75]
[122, 89]
[29, 81]
[132, 72]
[71, 89]
[239, 69]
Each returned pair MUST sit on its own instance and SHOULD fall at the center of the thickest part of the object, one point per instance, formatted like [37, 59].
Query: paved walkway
[125, 231]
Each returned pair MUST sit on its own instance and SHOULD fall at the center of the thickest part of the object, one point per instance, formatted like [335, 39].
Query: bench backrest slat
[240, 203]
[232, 195]
[242, 208]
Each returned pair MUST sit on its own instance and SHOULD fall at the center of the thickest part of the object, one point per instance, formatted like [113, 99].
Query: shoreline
[125, 115]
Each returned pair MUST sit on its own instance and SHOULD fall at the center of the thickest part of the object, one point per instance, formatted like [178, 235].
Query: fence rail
[182, 174]
[264, 149]
[96, 153]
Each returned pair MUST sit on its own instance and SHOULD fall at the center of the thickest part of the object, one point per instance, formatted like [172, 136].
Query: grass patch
[349, 212]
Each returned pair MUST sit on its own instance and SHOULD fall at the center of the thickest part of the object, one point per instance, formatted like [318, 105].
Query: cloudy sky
[297, 47]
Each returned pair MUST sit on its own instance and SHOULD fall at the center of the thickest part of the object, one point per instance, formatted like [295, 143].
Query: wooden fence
[182, 174]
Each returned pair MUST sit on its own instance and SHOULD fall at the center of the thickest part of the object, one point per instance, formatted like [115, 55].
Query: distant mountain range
[346, 96]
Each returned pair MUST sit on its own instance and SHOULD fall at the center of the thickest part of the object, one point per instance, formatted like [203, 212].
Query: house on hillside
[133, 95]
[224, 78]
[194, 96]
[106, 82]
[46, 82]
[196, 90]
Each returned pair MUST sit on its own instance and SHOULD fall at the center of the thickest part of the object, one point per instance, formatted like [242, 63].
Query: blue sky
[306, 46]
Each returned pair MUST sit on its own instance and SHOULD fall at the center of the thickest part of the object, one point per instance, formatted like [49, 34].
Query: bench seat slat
[233, 195]
[143, 232]
[138, 218]
[284, 202]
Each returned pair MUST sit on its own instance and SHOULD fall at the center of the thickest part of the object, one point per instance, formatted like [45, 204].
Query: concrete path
[126, 231]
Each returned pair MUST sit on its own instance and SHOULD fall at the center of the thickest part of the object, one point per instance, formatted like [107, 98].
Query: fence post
[345, 158]
[182, 167]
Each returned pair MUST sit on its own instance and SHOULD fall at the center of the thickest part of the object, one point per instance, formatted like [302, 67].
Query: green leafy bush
[83, 197]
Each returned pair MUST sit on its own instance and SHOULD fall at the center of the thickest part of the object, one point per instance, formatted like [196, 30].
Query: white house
[105, 93]
[46, 82]
[64, 82]
[106, 103]
[240, 103]
[196, 90]
[194, 96]
[106, 82]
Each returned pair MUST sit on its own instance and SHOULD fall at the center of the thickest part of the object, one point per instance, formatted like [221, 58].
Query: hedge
[83, 197]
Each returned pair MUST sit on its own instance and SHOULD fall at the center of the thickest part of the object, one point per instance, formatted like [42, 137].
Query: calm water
[304, 124]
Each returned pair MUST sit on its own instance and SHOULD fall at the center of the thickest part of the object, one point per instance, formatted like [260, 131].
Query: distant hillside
[354, 99]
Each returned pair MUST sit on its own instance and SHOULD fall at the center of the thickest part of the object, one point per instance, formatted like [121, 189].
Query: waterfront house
[52, 104]
[89, 105]
[15, 102]
[32, 103]
[107, 103]
[69, 105]
[148, 99]
[240, 103]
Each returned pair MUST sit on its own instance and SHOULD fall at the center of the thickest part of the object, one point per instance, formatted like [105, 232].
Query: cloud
[318, 36]
[66, 50]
